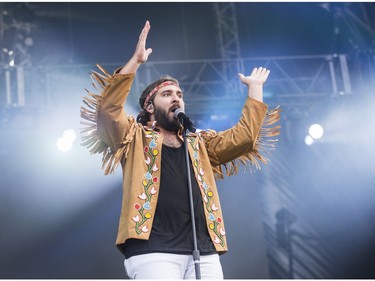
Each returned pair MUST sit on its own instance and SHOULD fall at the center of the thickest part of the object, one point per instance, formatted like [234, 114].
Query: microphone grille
[178, 111]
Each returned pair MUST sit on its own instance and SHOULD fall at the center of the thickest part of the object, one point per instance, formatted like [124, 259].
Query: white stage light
[316, 131]
[309, 140]
[64, 144]
[70, 135]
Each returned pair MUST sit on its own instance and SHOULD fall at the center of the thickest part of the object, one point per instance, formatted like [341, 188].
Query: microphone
[184, 120]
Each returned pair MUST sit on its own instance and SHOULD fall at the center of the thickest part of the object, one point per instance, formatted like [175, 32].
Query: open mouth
[173, 108]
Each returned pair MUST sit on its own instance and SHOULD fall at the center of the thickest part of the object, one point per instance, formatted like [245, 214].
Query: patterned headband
[154, 90]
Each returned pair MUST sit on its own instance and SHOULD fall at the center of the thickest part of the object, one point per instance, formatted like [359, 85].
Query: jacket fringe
[264, 144]
[89, 133]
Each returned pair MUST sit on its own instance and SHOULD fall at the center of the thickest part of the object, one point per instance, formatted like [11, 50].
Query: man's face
[166, 101]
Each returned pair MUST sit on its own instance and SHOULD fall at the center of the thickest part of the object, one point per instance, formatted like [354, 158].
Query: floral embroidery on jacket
[215, 222]
[148, 182]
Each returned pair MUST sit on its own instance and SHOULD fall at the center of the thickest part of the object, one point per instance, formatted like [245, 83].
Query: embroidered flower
[195, 154]
[205, 186]
[143, 196]
[214, 207]
[148, 161]
[155, 168]
[214, 225]
[152, 143]
[148, 190]
[217, 240]
[153, 190]
[222, 231]
[136, 218]
[199, 178]
[147, 206]
[211, 217]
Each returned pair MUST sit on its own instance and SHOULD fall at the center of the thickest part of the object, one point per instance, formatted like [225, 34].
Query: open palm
[257, 77]
[141, 53]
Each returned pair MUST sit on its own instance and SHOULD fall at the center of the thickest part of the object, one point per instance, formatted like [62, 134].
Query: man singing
[155, 229]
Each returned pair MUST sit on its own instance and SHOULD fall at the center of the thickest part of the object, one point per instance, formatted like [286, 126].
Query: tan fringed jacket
[138, 148]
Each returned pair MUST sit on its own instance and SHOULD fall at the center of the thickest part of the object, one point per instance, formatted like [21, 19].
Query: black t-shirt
[172, 231]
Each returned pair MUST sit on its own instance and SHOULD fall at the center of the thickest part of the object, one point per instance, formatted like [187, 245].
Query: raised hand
[141, 53]
[257, 77]
[255, 82]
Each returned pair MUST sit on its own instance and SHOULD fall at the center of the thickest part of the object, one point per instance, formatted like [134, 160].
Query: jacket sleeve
[108, 130]
[244, 142]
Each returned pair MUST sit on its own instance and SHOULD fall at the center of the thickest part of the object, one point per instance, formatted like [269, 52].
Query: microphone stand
[196, 254]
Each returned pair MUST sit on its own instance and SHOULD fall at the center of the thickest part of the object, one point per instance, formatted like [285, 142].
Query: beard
[167, 123]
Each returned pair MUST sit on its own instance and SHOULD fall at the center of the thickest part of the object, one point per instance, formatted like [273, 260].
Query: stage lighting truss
[295, 81]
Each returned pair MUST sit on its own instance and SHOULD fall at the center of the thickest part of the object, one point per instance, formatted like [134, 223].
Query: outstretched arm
[141, 54]
[107, 125]
[240, 141]
[255, 82]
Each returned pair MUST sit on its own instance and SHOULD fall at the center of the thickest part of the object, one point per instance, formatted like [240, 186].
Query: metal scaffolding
[294, 81]
[228, 44]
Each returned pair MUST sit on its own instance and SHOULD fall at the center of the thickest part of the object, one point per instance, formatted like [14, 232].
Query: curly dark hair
[143, 116]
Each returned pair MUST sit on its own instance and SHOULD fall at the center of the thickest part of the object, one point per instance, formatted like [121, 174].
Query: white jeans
[172, 266]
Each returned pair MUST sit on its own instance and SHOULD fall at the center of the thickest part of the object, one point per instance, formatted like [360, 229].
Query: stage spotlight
[65, 143]
[70, 135]
[316, 131]
[309, 140]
